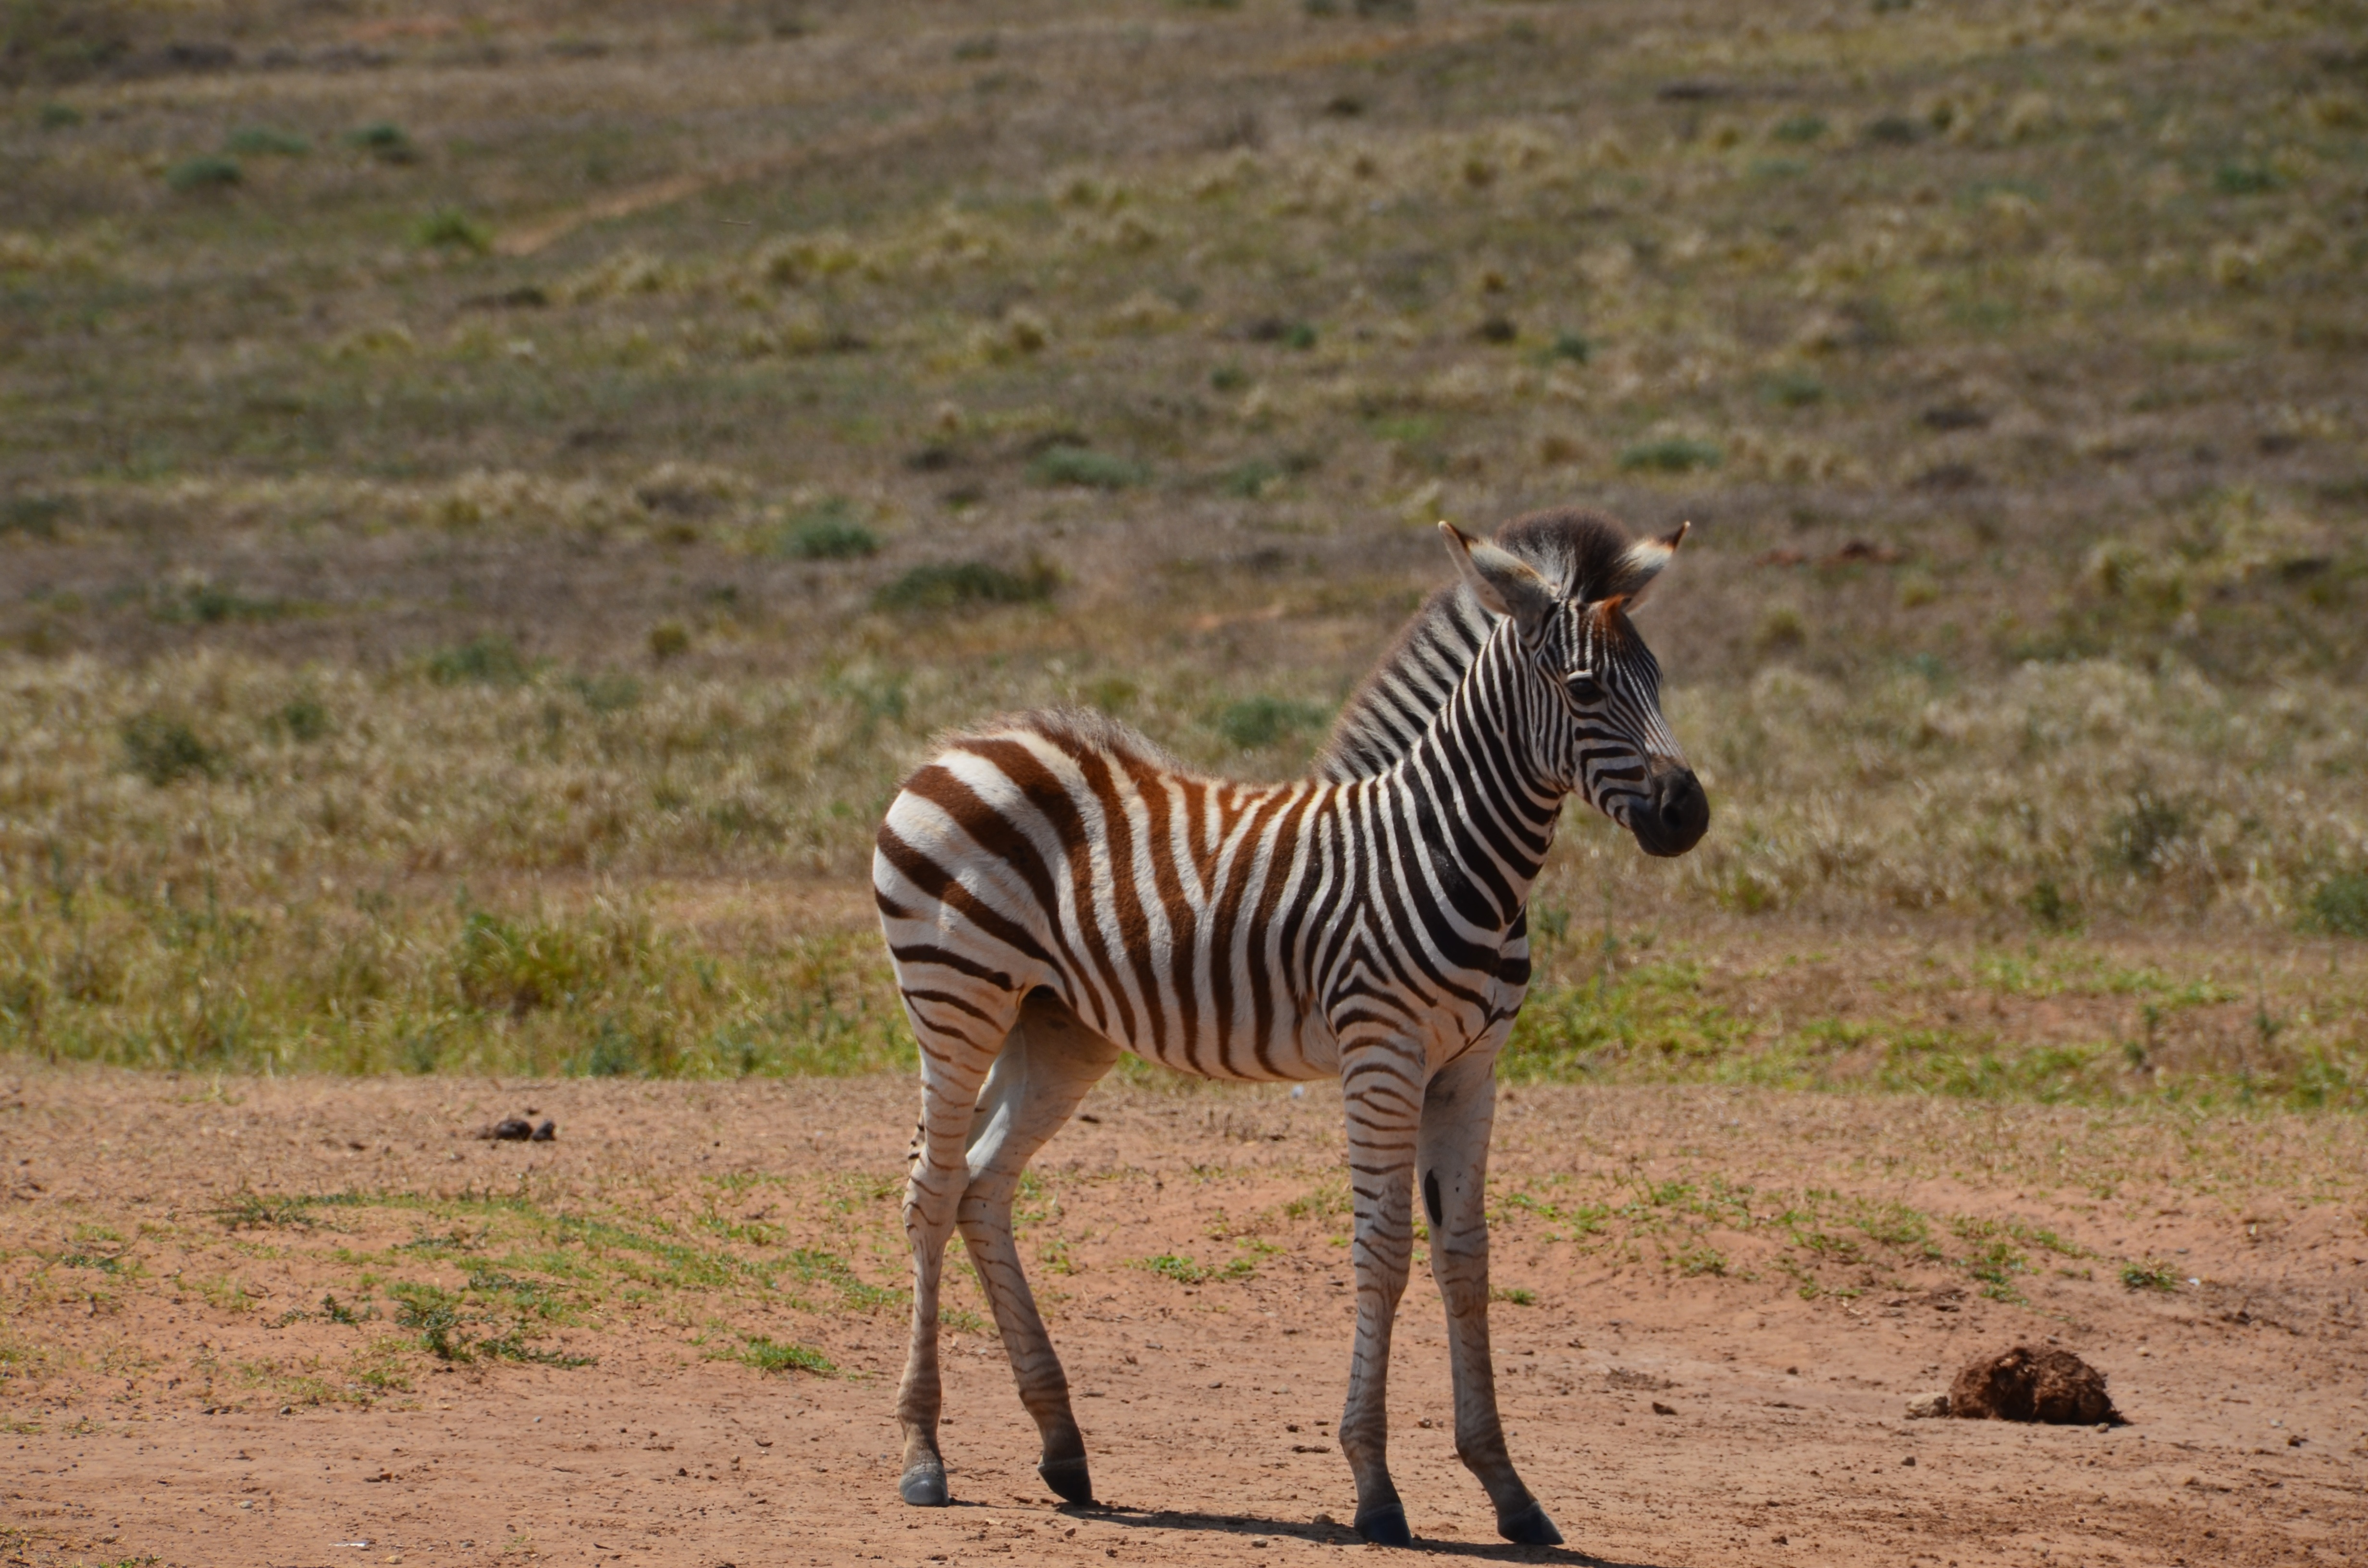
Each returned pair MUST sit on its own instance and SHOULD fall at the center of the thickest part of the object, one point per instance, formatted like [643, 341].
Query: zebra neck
[1476, 789]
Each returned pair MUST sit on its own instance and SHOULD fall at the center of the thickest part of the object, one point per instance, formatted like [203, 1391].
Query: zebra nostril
[1679, 813]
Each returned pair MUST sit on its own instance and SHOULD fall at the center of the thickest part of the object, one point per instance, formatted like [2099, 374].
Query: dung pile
[2032, 1383]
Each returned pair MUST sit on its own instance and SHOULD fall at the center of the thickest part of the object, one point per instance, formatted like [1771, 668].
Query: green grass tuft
[208, 172]
[1675, 454]
[266, 140]
[1085, 467]
[164, 750]
[827, 532]
[961, 584]
[448, 228]
[2340, 904]
[767, 1356]
[1263, 720]
[486, 658]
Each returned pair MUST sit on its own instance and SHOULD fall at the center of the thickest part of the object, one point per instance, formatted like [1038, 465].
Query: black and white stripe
[1054, 890]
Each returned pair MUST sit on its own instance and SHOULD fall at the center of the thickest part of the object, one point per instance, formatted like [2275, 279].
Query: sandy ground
[148, 1412]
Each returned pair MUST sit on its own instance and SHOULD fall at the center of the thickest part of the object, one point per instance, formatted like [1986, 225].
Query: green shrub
[957, 583]
[1794, 389]
[825, 531]
[1675, 454]
[611, 691]
[530, 965]
[1570, 345]
[62, 41]
[2243, 179]
[2136, 839]
[2341, 904]
[386, 142]
[449, 226]
[1067, 464]
[768, 1356]
[2149, 1277]
[1261, 720]
[209, 604]
[493, 661]
[208, 172]
[615, 1052]
[301, 718]
[1800, 128]
[163, 750]
[2051, 909]
[266, 140]
[36, 515]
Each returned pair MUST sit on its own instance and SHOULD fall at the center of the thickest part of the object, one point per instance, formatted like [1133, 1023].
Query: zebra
[1053, 889]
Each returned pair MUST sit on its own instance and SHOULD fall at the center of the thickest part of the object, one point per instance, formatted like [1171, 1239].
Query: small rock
[509, 1129]
[546, 1132]
[1909, 1461]
[1660, 1409]
[1927, 1406]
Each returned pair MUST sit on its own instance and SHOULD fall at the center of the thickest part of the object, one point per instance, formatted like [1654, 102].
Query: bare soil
[170, 1393]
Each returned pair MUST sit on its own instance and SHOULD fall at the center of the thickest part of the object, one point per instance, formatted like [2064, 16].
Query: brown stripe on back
[1183, 926]
[1224, 919]
[1279, 868]
[1126, 900]
[1050, 796]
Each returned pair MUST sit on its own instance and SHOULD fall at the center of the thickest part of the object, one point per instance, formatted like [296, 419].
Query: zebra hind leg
[958, 1047]
[1050, 1063]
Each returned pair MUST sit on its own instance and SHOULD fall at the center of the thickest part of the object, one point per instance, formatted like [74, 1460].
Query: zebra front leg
[1047, 1067]
[1382, 1086]
[1459, 1108]
[953, 1064]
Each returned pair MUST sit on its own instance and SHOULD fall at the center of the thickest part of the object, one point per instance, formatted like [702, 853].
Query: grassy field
[491, 501]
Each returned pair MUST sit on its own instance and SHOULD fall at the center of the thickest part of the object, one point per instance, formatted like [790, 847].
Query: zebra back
[1582, 552]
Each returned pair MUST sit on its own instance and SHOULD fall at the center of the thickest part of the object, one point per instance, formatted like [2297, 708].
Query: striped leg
[1050, 1063]
[1458, 1109]
[1382, 1086]
[958, 1039]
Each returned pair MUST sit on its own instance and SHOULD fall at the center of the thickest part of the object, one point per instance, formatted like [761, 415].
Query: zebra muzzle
[1676, 818]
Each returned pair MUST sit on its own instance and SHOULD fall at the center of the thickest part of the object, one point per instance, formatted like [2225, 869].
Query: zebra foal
[1053, 891]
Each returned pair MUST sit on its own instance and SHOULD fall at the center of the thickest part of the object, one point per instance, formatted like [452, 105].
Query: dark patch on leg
[1430, 1196]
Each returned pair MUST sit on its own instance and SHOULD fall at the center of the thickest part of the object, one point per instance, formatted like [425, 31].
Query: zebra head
[1602, 735]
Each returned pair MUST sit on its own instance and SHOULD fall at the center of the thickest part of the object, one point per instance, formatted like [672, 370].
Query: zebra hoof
[1384, 1525]
[924, 1485]
[1530, 1527]
[1069, 1480]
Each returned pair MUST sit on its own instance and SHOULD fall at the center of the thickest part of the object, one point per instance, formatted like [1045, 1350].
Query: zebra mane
[1586, 555]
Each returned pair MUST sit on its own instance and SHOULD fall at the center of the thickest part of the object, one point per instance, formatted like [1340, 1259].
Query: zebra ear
[1502, 581]
[1644, 560]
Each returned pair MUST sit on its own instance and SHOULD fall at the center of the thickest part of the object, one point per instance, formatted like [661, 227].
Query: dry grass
[461, 510]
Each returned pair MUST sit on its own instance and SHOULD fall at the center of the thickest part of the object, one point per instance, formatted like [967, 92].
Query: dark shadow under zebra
[1053, 889]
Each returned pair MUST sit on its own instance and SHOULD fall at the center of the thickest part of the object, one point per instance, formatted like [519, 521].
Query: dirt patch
[249, 1320]
[2030, 1383]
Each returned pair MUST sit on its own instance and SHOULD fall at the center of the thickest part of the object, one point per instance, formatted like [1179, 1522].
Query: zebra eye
[1583, 685]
